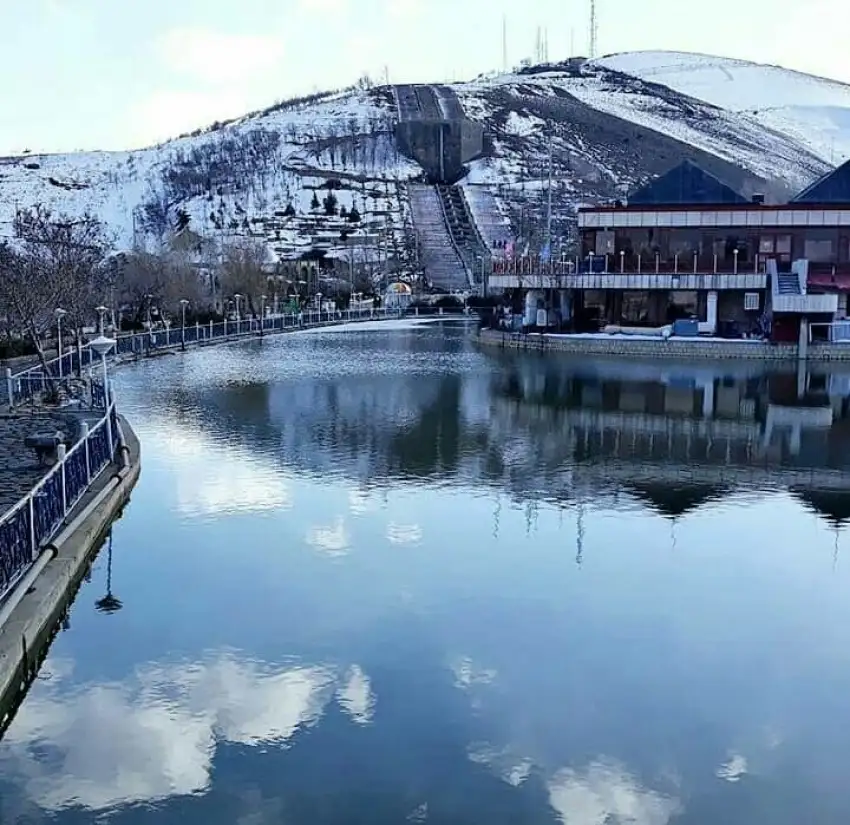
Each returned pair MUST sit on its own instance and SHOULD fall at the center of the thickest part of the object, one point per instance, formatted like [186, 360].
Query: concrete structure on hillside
[689, 250]
[433, 131]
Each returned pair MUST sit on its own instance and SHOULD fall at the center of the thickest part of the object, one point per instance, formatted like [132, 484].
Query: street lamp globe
[102, 345]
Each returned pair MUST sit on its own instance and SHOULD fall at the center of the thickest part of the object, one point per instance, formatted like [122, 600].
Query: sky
[122, 74]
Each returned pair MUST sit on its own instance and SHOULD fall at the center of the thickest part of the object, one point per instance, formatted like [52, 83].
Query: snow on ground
[343, 136]
[389, 325]
[811, 109]
[493, 225]
[736, 136]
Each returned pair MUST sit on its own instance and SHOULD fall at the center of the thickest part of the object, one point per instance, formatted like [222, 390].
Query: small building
[688, 246]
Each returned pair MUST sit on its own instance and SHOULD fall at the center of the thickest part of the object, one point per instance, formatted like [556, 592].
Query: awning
[829, 282]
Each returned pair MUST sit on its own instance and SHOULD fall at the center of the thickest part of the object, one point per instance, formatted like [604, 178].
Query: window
[783, 246]
[751, 301]
[819, 251]
[605, 243]
[766, 246]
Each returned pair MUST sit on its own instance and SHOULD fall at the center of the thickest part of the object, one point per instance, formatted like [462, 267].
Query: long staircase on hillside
[443, 265]
[464, 233]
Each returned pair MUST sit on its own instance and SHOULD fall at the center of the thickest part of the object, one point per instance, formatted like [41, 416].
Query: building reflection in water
[671, 437]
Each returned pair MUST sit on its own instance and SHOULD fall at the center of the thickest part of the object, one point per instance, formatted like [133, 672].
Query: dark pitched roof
[833, 187]
[685, 184]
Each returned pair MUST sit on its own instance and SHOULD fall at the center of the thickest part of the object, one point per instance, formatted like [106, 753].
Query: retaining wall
[26, 634]
[687, 349]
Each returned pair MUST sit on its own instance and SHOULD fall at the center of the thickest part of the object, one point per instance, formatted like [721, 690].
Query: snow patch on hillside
[810, 109]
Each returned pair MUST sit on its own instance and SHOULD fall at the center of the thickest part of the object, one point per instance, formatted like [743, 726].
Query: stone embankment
[30, 616]
[683, 349]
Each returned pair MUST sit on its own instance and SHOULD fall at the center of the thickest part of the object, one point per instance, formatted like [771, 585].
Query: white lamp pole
[102, 345]
[60, 314]
[262, 313]
[183, 303]
[101, 311]
[236, 297]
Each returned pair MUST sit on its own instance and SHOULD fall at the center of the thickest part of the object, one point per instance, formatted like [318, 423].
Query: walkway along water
[24, 385]
[48, 538]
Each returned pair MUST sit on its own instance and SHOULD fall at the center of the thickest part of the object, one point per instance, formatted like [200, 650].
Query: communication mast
[593, 29]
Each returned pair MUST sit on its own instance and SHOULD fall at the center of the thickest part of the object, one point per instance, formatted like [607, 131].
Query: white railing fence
[34, 521]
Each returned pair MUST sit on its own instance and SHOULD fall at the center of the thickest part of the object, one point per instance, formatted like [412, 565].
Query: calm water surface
[383, 577]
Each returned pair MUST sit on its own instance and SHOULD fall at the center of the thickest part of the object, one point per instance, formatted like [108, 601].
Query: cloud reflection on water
[213, 480]
[155, 735]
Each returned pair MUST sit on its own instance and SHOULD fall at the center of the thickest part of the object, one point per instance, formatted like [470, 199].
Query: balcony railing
[654, 265]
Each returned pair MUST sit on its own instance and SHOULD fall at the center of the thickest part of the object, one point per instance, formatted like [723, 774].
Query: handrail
[33, 521]
[469, 276]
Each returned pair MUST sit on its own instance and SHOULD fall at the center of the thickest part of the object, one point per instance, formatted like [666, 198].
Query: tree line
[58, 265]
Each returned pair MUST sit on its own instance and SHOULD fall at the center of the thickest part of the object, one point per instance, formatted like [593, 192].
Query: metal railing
[29, 526]
[35, 520]
[29, 383]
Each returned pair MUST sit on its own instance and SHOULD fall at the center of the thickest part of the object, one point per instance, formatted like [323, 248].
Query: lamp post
[60, 314]
[102, 345]
[183, 304]
[236, 297]
[101, 311]
[262, 314]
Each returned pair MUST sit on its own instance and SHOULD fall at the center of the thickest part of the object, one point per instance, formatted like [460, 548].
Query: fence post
[108, 425]
[85, 439]
[10, 387]
[33, 548]
[61, 452]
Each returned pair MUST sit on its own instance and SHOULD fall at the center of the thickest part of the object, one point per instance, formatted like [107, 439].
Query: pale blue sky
[83, 74]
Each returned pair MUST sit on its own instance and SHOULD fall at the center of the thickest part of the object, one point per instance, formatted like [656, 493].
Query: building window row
[818, 245]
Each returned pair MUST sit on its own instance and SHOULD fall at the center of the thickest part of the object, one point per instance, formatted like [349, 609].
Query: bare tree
[55, 262]
[244, 272]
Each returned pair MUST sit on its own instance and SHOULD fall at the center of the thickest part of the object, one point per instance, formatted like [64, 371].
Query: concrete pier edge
[682, 349]
[26, 636]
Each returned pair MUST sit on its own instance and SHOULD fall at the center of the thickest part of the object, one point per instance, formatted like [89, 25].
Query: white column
[711, 312]
[803, 343]
[708, 399]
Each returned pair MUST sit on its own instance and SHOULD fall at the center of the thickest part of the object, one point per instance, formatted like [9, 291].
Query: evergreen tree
[314, 204]
[354, 215]
[330, 203]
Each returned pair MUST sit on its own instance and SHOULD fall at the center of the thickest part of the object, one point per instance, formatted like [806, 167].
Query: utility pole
[549, 201]
[593, 29]
[505, 43]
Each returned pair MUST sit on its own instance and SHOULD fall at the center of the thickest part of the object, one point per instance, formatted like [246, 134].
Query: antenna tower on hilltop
[504, 42]
[593, 29]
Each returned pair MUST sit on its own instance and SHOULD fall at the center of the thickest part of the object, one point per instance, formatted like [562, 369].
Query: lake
[385, 576]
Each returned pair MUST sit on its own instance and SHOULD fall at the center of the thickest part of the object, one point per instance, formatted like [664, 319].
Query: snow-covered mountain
[813, 110]
[609, 124]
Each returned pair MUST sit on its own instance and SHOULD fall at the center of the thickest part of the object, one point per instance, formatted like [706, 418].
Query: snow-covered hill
[235, 178]
[610, 124]
[812, 110]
